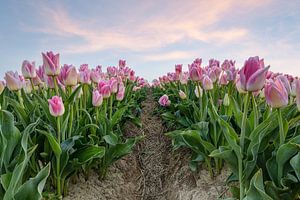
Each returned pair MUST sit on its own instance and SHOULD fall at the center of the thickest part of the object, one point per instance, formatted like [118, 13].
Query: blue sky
[153, 35]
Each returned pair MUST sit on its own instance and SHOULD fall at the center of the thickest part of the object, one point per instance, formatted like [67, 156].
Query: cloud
[173, 55]
[174, 23]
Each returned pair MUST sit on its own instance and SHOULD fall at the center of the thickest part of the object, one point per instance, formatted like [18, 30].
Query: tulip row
[56, 122]
[248, 118]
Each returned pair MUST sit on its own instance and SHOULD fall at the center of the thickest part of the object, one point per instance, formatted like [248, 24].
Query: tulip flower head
[51, 63]
[226, 101]
[276, 94]
[164, 101]
[56, 106]
[68, 75]
[253, 74]
[207, 83]
[2, 86]
[14, 81]
[97, 98]
[182, 95]
[28, 69]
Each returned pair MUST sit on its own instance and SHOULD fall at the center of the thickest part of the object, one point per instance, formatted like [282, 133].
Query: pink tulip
[96, 75]
[196, 72]
[14, 81]
[28, 69]
[182, 95]
[84, 75]
[68, 75]
[184, 78]
[2, 86]
[56, 106]
[164, 100]
[122, 63]
[97, 98]
[51, 63]
[111, 71]
[239, 85]
[207, 83]
[120, 95]
[253, 74]
[113, 82]
[285, 82]
[41, 73]
[298, 93]
[276, 94]
[223, 78]
[132, 75]
[178, 69]
[104, 88]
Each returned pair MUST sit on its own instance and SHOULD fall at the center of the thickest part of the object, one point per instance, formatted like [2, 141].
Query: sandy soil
[152, 172]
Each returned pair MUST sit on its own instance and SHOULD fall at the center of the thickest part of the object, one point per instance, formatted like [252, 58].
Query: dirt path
[152, 171]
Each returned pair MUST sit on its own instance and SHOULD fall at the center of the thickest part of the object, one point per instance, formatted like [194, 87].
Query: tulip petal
[257, 80]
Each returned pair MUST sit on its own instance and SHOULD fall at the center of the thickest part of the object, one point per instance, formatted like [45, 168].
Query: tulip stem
[58, 161]
[55, 85]
[20, 98]
[281, 129]
[256, 115]
[244, 121]
[110, 106]
[32, 85]
[242, 143]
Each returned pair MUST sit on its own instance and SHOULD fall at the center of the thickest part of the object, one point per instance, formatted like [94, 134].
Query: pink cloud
[176, 22]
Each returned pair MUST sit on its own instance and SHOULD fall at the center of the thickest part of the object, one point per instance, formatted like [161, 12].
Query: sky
[152, 36]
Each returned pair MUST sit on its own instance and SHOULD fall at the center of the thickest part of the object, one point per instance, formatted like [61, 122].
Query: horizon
[151, 36]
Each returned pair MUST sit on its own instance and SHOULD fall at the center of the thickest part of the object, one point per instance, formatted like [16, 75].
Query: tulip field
[60, 122]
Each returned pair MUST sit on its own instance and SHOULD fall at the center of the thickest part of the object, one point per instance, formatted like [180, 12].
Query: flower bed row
[248, 118]
[57, 122]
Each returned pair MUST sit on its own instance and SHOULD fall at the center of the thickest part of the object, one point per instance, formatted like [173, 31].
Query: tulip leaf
[88, 153]
[295, 163]
[117, 116]
[257, 189]
[32, 189]
[111, 139]
[53, 142]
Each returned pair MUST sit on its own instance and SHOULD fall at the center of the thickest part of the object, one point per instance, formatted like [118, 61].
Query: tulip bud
[276, 94]
[68, 75]
[223, 79]
[120, 95]
[239, 86]
[207, 83]
[14, 81]
[226, 101]
[2, 86]
[56, 106]
[293, 88]
[298, 93]
[28, 69]
[105, 91]
[136, 88]
[51, 63]
[84, 74]
[97, 98]
[164, 100]
[113, 85]
[253, 74]
[182, 95]
[198, 91]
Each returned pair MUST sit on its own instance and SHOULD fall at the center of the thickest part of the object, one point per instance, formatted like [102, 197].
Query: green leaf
[32, 189]
[88, 153]
[295, 163]
[111, 139]
[117, 116]
[257, 189]
[53, 142]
